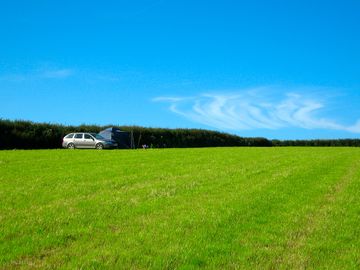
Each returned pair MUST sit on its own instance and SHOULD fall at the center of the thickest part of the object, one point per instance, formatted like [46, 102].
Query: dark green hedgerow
[29, 135]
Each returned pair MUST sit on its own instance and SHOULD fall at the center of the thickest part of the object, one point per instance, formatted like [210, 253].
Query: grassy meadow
[211, 208]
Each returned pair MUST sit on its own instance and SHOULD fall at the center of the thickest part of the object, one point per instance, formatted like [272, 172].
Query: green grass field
[212, 208]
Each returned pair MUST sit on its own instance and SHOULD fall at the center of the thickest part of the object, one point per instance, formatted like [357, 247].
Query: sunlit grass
[215, 208]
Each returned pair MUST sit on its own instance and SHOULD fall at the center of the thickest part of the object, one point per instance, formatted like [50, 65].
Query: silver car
[87, 140]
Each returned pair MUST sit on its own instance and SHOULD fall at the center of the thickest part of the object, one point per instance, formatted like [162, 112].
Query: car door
[78, 140]
[89, 141]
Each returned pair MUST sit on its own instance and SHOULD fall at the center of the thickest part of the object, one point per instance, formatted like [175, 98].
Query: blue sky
[277, 69]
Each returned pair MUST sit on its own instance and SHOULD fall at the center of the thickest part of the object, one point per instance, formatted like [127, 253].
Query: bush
[29, 135]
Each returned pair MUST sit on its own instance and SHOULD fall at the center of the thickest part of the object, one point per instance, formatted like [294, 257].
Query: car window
[78, 136]
[99, 137]
[87, 136]
[69, 136]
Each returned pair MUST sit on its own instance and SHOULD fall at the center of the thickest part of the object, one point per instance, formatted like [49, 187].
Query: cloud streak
[44, 73]
[249, 110]
[56, 73]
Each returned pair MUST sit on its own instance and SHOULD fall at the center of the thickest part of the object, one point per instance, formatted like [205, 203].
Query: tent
[123, 138]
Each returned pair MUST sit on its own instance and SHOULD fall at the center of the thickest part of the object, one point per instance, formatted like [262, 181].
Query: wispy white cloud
[247, 110]
[169, 99]
[42, 73]
[56, 73]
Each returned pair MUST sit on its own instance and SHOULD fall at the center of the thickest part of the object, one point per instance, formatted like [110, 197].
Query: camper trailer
[122, 138]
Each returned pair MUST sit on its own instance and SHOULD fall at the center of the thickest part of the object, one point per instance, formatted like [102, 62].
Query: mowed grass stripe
[294, 256]
[335, 241]
[270, 214]
[174, 208]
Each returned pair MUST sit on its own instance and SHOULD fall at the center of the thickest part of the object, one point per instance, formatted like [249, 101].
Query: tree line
[318, 142]
[20, 134]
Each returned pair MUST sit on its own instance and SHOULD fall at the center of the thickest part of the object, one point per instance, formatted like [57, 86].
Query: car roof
[91, 133]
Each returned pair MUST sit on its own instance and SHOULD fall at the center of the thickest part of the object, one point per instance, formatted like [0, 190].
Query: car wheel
[71, 146]
[99, 146]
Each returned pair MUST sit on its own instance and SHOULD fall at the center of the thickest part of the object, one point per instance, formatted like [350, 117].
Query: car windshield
[98, 136]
